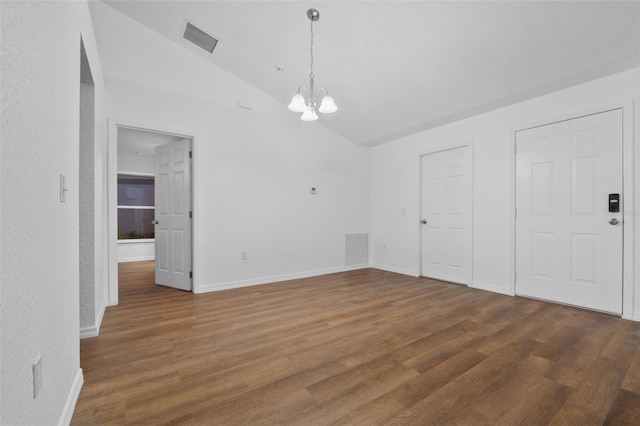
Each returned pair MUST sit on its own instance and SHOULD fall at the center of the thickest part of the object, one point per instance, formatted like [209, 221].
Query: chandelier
[309, 106]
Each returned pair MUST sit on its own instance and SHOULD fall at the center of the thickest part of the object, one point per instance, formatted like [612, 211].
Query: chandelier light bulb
[327, 106]
[309, 115]
[297, 103]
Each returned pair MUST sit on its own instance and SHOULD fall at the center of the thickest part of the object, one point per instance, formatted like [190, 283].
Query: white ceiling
[394, 67]
[142, 142]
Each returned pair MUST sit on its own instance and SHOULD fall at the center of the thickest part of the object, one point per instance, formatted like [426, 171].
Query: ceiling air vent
[198, 37]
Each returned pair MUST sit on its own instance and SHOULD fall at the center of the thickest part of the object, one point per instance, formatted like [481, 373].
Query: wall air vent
[198, 37]
[356, 250]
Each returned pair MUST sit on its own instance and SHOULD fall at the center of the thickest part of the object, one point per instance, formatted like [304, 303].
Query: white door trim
[468, 142]
[112, 189]
[628, 257]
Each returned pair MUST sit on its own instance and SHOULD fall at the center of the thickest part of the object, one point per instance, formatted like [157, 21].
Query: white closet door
[446, 215]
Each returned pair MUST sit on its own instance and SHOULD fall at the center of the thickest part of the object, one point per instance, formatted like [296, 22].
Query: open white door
[173, 214]
[568, 242]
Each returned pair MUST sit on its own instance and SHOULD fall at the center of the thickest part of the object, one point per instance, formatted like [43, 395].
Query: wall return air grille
[198, 37]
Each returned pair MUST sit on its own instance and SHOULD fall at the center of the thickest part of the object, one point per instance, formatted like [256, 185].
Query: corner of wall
[97, 294]
[94, 330]
[72, 399]
[492, 287]
[409, 272]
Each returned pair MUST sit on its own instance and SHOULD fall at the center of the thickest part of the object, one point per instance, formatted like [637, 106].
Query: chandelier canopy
[308, 106]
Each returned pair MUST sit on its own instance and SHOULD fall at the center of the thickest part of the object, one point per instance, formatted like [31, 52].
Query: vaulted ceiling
[399, 67]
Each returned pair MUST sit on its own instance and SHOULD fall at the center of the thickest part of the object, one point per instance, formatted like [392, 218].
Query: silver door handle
[614, 221]
[155, 222]
[423, 221]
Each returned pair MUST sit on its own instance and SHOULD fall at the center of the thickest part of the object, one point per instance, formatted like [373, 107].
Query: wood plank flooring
[360, 348]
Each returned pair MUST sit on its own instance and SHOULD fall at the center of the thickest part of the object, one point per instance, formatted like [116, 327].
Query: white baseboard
[276, 278]
[72, 399]
[492, 288]
[100, 315]
[355, 267]
[87, 332]
[94, 330]
[396, 270]
[636, 316]
[136, 259]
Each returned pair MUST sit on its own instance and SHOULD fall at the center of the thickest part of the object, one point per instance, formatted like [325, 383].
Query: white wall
[92, 308]
[40, 79]
[395, 180]
[252, 169]
[2, 108]
[136, 164]
[136, 250]
[86, 192]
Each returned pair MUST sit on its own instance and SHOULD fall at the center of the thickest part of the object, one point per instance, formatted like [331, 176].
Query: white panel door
[446, 215]
[173, 222]
[568, 244]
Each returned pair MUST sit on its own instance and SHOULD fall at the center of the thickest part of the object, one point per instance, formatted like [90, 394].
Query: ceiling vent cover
[198, 37]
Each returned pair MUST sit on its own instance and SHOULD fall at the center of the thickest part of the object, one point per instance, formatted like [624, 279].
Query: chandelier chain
[311, 51]
[307, 104]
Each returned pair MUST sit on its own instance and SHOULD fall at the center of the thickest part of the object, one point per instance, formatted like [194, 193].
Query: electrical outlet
[244, 255]
[36, 369]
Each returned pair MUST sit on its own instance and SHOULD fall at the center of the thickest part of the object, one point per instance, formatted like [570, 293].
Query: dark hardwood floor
[361, 348]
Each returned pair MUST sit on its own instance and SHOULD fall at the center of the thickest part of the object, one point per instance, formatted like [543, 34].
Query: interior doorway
[135, 157]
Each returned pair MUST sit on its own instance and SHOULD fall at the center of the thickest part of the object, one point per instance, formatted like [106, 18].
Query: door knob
[423, 221]
[155, 222]
[614, 221]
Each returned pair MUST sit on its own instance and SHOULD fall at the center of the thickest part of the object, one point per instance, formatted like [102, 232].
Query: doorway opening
[150, 178]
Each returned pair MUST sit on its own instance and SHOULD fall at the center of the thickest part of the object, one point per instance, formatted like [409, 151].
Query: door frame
[468, 143]
[112, 197]
[628, 188]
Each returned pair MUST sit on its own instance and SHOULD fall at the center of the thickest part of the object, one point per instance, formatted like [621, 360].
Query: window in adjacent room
[135, 207]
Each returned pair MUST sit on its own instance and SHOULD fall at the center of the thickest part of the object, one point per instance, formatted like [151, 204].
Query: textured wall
[39, 249]
[99, 194]
[86, 199]
[40, 77]
[2, 108]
